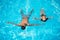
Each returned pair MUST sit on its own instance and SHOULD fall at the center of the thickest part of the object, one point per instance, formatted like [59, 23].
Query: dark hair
[22, 27]
[43, 15]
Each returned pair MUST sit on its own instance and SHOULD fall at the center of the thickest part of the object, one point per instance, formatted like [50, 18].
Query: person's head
[43, 17]
[22, 27]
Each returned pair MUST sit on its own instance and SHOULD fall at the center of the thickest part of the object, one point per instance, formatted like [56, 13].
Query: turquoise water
[10, 11]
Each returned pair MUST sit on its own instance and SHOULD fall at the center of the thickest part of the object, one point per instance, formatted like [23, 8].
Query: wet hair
[44, 20]
[22, 27]
[43, 15]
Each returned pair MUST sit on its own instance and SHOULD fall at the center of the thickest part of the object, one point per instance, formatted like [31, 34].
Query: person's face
[43, 17]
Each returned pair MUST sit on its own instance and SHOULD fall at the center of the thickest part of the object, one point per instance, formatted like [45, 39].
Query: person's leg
[42, 12]
[22, 14]
[30, 13]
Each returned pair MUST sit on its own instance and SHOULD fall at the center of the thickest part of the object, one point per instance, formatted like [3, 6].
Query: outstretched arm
[50, 17]
[12, 23]
[36, 18]
[33, 24]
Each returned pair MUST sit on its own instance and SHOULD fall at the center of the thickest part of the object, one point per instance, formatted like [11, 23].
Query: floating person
[43, 16]
[25, 21]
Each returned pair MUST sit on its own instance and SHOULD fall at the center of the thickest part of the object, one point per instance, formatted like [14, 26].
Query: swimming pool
[10, 11]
